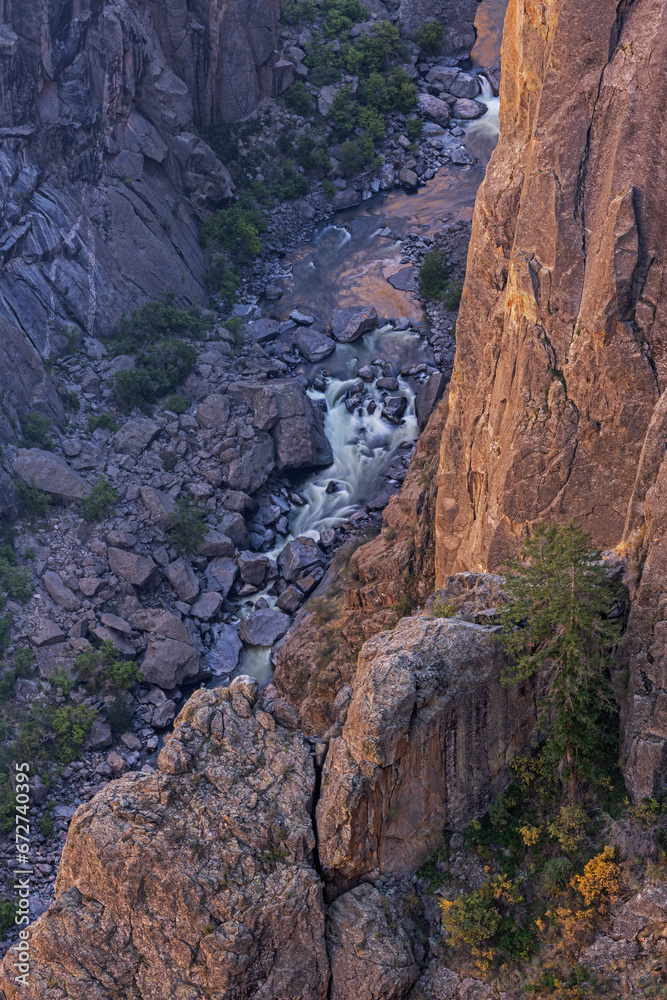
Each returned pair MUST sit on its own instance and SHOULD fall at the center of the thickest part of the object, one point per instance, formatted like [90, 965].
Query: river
[347, 262]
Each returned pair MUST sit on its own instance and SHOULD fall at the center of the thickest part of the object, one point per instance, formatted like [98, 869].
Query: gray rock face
[253, 467]
[224, 655]
[207, 605]
[82, 226]
[456, 16]
[50, 473]
[213, 412]
[263, 627]
[135, 436]
[220, 574]
[295, 423]
[424, 745]
[434, 109]
[29, 388]
[158, 504]
[313, 345]
[351, 323]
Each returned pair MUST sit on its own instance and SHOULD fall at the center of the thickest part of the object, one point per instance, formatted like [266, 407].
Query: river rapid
[347, 263]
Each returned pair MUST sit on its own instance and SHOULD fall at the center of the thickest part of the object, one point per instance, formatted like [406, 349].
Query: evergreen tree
[556, 624]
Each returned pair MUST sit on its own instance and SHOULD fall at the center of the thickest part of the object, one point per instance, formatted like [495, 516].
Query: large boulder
[427, 736]
[131, 566]
[211, 856]
[434, 109]
[172, 654]
[263, 627]
[298, 556]
[213, 412]
[135, 436]
[60, 592]
[50, 473]
[253, 466]
[295, 423]
[352, 322]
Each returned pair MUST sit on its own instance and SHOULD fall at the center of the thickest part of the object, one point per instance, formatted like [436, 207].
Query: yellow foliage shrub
[601, 881]
[530, 835]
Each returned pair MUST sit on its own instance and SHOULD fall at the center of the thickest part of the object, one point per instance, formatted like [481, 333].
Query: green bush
[70, 724]
[433, 274]
[235, 230]
[389, 92]
[14, 581]
[154, 322]
[35, 431]
[46, 824]
[71, 401]
[187, 527]
[298, 11]
[298, 100]
[35, 502]
[99, 501]
[341, 15]
[355, 154]
[175, 403]
[104, 668]
[556, 875]
[7, 804]
[158, 372]
[287, 183]
[328, 189]
[7, 914]
[105, 420]
[451, 297]
[414, 127]
[429, 38]
[312, 152]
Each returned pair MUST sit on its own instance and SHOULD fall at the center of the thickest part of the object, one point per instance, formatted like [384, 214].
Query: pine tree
[556, 624]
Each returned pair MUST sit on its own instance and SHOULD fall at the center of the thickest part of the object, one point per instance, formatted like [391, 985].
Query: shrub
[105, 420]
[7, 804]
[328, 189]
[414, 128]
[71, 401]
[355, 154]
[601, 881]
[7, 915]
[14, 582]
[444, 609]
[451, 297]
[340, 15]
[175, 403]
[35, 502]
[99, 501]
[235, 230]
[312, 152]
[474, 918]
[288, 184]
[556, 875]
[298, 100]
[35, 428]
[104, 667]
[156, 321]
[46, 824]
[187, 527]
[343, 111]
[429, 37]
[297, 11]
[70, 724]
[569, 828]
[158, 371]
[389, 92]
[433, 274]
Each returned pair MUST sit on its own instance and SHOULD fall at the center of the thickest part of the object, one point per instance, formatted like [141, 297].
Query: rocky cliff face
[560, 356]
[556, 405]
[103, 181]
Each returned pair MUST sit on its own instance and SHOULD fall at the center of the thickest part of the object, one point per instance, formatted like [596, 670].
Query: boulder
[349, 198]
[234, 527]
[135, 436]
[408, 178]
[465, 86]
[371, 958]
[207, 605]
[468, 110]
[121, 539]
[183, 579]
[314, 346]
[131, 566]
[428, 396]
[171, 654]
[396, 776]
[298, 556]
[263, 330]
[353, 322]
[163, 714]
[49, 473]
[225, 802]
[99, 735]
[215, 544]
[253, 467]
[434, 109]
[223, 657]
[263, 627]
[296, 424]
[158, 504]
[221, 574]
[213, 413]
[253, 568]
[60, 592]
[302, 318]
[46, 633]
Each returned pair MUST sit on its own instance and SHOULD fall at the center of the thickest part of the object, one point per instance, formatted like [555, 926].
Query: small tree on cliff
[555, 624]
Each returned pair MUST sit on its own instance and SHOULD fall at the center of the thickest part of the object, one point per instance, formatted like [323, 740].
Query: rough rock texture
[424, 746]
[49, 473]
[194, 881]
[560, 358]
[369, 961]
[29, 387]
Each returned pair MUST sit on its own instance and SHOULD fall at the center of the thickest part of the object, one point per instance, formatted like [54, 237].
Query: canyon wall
[556, 403]
[103, 179]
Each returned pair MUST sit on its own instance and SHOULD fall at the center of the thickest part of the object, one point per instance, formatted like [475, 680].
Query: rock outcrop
[103, 178]
[197, 880]
[560, 357]
[458, 19]
[428, 732]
